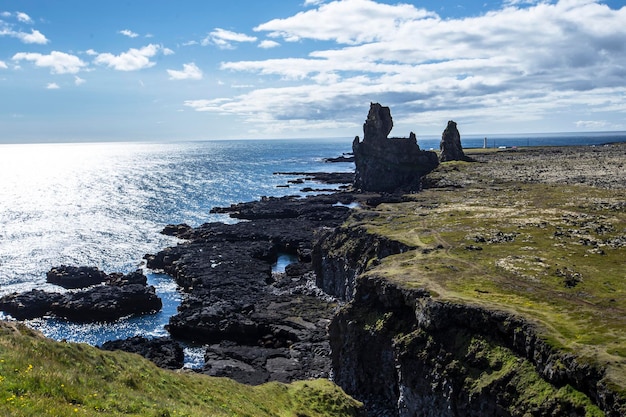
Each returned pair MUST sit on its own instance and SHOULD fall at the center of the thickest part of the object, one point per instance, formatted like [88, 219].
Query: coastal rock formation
[123, 295]
[163, 351]
[72, 277]
[107, 303]
[405, 353]
[388, 164]
[450, 145]
[258, 325]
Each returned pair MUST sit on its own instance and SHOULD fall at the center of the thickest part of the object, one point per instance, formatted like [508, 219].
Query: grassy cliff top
[41, 377]
[518, 232]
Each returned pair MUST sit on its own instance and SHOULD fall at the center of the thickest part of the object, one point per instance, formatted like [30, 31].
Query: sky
[75, 70]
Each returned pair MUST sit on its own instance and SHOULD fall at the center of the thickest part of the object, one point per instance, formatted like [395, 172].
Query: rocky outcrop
[450, 145]
[405, 353]
[258, 325]
[388, 164]
[123, 295]
[163, 351]
[72, 277]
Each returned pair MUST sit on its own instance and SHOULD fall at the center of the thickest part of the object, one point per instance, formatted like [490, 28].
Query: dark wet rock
[72, 277]
[120, 279]
[176, 230]
[450, 145]
[121, 296]
[163, 351]
[234, 303]
[30, 304]
[107, 303]
[348, 158]
[388, 164]
[322, 177]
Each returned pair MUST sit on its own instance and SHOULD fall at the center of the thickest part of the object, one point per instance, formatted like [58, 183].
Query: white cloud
[131, 60]
[224, 39]
[23, 17]
[33, 37]
[543, 60]
[58, 62]
[78, 80]
[190, 72]
[591, 124]
[343, 21]
[167, 51]
[129, 33]
[3, 65]
[268, 44]
[52, 86]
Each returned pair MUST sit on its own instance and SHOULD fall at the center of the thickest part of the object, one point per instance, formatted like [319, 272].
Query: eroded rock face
[405, 353]
[388, 164]
[450, 145]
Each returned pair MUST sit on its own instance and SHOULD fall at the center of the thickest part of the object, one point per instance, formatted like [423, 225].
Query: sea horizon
[621, 134]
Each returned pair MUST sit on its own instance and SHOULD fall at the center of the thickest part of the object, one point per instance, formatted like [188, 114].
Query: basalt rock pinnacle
[388, 164]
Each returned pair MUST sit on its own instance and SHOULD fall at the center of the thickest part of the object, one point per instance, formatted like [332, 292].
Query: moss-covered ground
[552, 253]
[41, 377]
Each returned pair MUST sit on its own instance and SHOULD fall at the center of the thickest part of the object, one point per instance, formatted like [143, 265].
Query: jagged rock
[123, 295]
[388, 164]
[450, 145]
[107, 303]
[119, 279]
[72, 277]
[163, 351]
[30, 304]
[259, 326]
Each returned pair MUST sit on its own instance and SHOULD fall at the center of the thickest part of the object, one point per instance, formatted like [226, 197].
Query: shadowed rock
[163, 351]
[450, 145]
[388, 164]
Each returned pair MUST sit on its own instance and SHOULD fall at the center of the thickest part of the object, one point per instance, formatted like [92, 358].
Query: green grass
[553, 254]
[41, 377]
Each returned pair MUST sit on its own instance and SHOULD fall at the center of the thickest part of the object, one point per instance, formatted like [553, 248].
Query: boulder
[388, 164]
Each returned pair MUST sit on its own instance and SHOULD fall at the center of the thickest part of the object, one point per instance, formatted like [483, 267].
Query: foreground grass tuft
[41, 377]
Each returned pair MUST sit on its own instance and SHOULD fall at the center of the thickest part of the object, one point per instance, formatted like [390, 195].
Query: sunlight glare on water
[104, 205]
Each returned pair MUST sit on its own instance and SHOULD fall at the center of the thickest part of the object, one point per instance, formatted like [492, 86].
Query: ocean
[104, 205]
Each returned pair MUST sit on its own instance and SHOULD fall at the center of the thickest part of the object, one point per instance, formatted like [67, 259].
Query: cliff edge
[496, 291]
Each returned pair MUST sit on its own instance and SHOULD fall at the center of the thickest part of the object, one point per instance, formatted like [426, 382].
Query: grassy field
[552, 253]
[41, 377]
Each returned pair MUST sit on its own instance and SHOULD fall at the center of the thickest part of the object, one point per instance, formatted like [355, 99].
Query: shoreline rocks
[258, 326]
[121, 296]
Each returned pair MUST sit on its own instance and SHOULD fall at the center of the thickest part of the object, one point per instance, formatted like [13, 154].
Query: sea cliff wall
[405, 353]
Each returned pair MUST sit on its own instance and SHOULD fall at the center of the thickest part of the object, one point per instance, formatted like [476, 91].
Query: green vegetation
[41, 377]
[553, 254]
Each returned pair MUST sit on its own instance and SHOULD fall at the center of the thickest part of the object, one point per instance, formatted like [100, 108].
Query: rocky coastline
[400, 350]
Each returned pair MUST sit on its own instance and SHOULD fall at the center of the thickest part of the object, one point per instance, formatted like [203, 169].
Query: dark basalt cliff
[388, 164]
[405, 353]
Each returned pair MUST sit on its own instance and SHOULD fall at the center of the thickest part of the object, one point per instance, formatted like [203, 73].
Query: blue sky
[75, 70]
